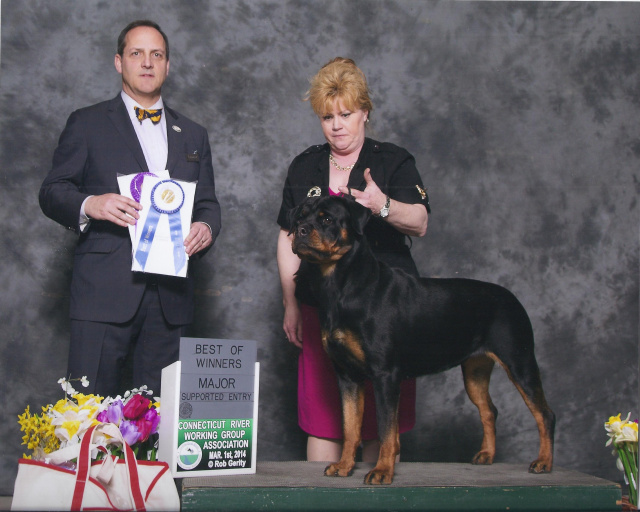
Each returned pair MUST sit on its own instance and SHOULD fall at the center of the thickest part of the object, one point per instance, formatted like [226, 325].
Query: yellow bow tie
[143, 114]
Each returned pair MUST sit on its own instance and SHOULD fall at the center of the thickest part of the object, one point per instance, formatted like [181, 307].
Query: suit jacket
[97, 144]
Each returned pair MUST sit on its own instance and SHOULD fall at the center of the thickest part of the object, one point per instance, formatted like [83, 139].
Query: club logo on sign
[189, 455]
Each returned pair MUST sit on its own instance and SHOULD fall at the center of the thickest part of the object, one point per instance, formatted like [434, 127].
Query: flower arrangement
[623, 434]
[64, 423]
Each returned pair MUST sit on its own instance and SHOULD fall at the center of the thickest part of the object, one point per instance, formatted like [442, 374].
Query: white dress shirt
[152, 138]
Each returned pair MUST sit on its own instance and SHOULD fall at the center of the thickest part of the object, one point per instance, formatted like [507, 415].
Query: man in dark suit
[113, 310]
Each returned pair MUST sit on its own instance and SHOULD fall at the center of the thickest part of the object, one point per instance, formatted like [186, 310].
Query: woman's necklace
[340, 167]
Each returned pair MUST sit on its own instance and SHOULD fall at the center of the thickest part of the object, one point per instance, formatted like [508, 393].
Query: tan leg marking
[384, 470]
[537, 406]
[352, 410]
[477, 374]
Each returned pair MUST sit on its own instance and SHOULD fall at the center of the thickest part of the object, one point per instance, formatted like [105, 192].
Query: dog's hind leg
[352, 410]
[476, 372]
[387, 395]
[525, 375]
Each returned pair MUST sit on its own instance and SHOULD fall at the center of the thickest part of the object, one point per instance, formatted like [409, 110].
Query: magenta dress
[319, 403]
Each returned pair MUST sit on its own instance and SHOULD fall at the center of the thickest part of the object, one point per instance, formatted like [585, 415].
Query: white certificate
[131, 186]
[165, 220]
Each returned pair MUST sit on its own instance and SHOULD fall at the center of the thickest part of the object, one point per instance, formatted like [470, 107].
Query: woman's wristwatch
[384, 211]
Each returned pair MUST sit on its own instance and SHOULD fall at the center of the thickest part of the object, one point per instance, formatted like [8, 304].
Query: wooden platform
[301, 486]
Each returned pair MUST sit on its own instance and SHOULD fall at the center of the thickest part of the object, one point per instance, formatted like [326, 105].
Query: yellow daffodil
[72, 422]
[614, 427]
[623, 434]
[87, 400]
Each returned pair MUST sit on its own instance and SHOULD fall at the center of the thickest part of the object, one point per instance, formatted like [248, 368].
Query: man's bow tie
[143, 114]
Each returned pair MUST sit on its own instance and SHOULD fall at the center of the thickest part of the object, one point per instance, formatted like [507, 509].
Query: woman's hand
[409, 219]
[288, 264]
[372, 197]
[292, 324]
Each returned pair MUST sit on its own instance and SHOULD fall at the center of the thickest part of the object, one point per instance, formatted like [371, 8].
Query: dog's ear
[294, 214]
[297, 212]
[360, 215]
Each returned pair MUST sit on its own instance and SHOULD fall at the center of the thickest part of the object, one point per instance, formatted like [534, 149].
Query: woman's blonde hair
[339, 79]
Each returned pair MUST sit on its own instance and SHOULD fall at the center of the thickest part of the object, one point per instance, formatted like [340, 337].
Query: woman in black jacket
[381, 176]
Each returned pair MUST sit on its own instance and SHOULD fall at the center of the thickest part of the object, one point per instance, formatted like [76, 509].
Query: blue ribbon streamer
[175, 228]
[144, 246]
[175, 225]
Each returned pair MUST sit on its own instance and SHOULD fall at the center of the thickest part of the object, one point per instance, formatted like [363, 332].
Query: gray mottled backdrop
[523, 118]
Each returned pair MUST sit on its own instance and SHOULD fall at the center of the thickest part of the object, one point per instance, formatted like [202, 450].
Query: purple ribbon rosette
[135, 187]
[167, 198]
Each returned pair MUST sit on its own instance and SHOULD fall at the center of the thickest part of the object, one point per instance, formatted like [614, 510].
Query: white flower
[614, 428]
[84, 381]
[66, 386]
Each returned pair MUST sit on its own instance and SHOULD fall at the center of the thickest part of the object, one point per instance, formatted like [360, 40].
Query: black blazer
[394, 171]
[97, 144]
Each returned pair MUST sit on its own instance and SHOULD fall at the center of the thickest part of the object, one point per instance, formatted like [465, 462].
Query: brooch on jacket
[314, 192]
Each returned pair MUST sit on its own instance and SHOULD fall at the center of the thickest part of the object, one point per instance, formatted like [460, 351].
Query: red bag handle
[84, 466]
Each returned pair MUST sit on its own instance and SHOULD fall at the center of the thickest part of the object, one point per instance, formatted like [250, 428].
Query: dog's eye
[326, 220]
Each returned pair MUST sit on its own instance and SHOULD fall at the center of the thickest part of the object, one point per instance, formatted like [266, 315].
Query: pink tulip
[148, 424]
[135, 407]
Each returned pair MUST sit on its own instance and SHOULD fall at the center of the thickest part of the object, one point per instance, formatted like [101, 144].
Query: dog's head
[326, 228]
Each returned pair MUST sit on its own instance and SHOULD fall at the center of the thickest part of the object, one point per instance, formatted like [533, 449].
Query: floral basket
[623, 435]
[64, 423]
[90, 452]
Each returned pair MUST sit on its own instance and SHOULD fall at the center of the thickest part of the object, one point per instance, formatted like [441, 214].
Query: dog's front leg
[352, 409]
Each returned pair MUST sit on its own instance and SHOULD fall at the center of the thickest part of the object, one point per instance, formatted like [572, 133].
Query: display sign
[209, 408]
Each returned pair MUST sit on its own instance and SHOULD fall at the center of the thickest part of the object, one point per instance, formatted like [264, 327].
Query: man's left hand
[199, 238]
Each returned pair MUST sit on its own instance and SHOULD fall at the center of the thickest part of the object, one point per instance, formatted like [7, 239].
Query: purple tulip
[130, 432]
[114, 412]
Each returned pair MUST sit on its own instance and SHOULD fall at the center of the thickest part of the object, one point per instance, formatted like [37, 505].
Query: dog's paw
[379, 477]
[338, 470]
[482, 459]
[540, 466]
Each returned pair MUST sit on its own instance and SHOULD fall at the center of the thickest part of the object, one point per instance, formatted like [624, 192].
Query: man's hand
[114, 208]
[199, 238]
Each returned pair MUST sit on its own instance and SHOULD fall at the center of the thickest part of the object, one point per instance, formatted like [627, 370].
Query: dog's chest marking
[347, 339]
[327, 269]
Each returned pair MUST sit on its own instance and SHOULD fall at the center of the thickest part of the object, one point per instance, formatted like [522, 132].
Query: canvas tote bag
[109, 484]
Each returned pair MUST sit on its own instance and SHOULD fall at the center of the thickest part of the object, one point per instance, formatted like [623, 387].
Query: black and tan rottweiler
[382, 324]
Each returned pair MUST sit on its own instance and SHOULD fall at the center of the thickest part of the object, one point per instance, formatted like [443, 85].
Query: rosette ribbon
[167, 198]
[135, 187]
